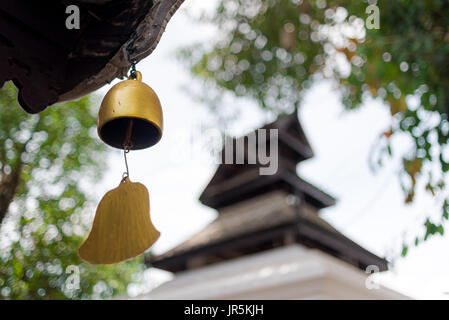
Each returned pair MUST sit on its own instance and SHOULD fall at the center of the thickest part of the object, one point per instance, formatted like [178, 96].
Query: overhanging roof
[50, 63]
[251, 184]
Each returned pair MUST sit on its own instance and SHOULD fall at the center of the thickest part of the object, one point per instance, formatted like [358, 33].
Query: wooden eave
[251, 184]
[49, 63]
[306, 230]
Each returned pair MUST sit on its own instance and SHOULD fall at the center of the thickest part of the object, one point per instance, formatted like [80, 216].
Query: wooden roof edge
[349, 248]
[140, 45]
[286, 120]
[317, 196]
[299, 146]
[324, 199]
[173, 256]
[335, 243]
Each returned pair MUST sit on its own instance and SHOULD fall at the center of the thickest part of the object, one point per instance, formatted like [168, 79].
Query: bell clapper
[127, 146]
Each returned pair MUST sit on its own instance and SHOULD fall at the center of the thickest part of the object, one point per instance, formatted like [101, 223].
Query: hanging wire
[127, 146]
[126, 173]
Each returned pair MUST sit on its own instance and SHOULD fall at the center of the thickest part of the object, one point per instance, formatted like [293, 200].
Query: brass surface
[122, 228]
[130, 100]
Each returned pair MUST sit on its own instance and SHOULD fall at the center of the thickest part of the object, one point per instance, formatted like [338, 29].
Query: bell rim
[154, 124]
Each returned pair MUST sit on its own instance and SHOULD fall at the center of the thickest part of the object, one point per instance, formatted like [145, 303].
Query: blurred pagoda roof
[234, 182]
[49, 63]
[258, 213]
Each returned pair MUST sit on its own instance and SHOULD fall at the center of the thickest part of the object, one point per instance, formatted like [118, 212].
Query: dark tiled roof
[235, 225]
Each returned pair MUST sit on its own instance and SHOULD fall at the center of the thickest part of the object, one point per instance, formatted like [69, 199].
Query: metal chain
[132, 72]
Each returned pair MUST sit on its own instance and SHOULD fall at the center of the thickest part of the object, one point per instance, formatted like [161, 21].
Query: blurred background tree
[273, 51]
[48, 163]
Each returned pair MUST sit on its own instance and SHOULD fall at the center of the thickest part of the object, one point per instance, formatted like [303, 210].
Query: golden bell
[130, 112]
[122, 227]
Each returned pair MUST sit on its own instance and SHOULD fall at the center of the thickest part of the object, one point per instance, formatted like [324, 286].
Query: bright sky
[370, 208]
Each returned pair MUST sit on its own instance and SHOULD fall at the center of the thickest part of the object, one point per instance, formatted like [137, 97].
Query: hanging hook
[132, 72]
[126, 173]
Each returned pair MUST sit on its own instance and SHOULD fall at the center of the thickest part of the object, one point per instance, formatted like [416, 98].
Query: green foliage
[273, 50]
[58, 155]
